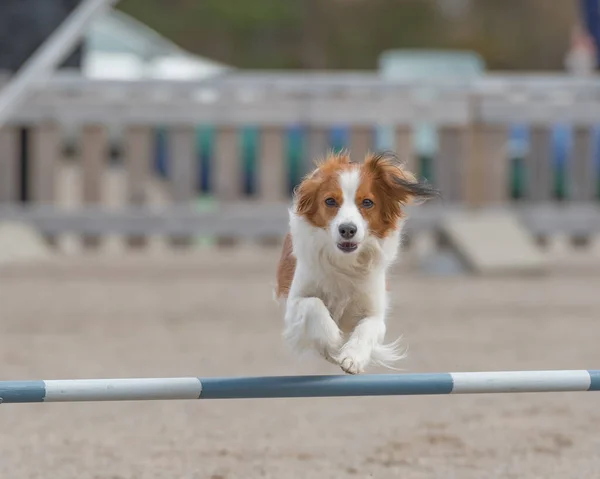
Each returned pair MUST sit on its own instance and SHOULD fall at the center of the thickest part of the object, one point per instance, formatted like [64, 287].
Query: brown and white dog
[345, 228]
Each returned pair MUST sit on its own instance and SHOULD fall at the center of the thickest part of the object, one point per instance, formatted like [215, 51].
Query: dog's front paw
[354, 359]
[329, 356]
[329, 347]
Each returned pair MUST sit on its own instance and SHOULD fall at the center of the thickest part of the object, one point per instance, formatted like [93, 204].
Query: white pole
[46, 58]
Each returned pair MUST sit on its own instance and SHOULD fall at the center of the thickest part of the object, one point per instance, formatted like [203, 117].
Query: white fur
[338, 301]
[348, 212]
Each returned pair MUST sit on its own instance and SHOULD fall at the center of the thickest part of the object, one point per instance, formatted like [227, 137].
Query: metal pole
[147, 389]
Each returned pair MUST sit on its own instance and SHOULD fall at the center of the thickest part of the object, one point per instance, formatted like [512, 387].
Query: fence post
[316, 146]
[361, 138]
[486, 176]
[539, 166]
[182, 170]
[452, 157]
[228, 180]
[45, 151]
[9, 162]
[45, 144]
[138, 152]
[272, 171]
[581, 173]
[93, 160]
[404, 148]
[228, 170]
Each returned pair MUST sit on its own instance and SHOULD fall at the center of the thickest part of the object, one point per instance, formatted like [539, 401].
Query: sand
[213, 314]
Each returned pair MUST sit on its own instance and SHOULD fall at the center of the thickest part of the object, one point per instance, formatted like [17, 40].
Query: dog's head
[355, 202]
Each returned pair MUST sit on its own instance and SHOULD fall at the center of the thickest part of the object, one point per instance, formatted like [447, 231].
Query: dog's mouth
[347, 246]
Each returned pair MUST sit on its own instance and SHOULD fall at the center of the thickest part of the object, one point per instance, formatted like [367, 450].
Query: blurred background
[148, 153]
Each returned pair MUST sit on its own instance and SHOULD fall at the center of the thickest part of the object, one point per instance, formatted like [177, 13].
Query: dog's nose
[347, 230]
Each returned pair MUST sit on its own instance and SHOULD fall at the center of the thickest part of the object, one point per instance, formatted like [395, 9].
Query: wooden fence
[471, 165]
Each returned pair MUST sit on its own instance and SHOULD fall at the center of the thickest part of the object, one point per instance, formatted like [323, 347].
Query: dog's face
[357, 202]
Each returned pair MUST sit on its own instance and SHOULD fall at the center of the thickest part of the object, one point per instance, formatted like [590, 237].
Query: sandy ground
[212, 314]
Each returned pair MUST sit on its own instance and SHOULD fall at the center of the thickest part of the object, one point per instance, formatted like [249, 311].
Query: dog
[345, 227]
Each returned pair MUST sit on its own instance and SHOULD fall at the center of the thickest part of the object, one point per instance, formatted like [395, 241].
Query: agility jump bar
[148, 389]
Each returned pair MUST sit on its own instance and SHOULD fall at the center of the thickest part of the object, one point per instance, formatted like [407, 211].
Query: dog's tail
[386, 355]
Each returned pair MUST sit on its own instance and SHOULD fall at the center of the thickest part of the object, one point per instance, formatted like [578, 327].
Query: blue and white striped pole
[145, 389]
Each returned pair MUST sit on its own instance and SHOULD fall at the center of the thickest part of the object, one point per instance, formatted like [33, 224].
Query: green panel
[294, 152]
[517, 178]
[248, 145]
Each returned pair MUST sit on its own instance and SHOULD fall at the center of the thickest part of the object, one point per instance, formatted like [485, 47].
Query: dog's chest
[348, 299]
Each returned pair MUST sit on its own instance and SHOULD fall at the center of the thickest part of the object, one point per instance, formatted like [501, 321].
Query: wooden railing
[471, 165]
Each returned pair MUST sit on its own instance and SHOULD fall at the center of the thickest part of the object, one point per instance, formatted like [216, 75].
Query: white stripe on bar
[520, 381]
[122, 389]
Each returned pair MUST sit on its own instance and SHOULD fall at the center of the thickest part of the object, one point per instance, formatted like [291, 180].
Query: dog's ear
[398, 183]
[305, 194]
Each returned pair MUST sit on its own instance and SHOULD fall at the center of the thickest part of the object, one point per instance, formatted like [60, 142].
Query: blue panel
[322, 386]
[338, 138]
[595, 380]
[22, 391]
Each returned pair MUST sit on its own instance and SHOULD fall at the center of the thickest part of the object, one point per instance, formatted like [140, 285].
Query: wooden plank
[361, 141]
[228, 167]
[45, 151]
[44, 157]
[272, 173]
[449, 165]
[316, 147]
[138, 156]
[263, 110]
[228, 172]
[539, 176]
[505, 100]
[539, 165]
[183, 166]
[9, 164]
[496, 165]
[474, 167]
[272, 165]
[486, 175]
[404, 148]
[93, 158]
[493, 243]
[255, 220]
[581, 174]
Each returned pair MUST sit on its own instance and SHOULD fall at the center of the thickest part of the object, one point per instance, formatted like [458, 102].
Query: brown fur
[285, 268]
[321, 184]
[379, 183]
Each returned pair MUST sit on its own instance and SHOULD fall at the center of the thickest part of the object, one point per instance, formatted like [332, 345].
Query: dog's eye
[330, 202]
[367, 203]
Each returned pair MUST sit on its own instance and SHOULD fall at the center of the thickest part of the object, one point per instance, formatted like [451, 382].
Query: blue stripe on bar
[22, 391]
[594, 380]
[322, 386]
